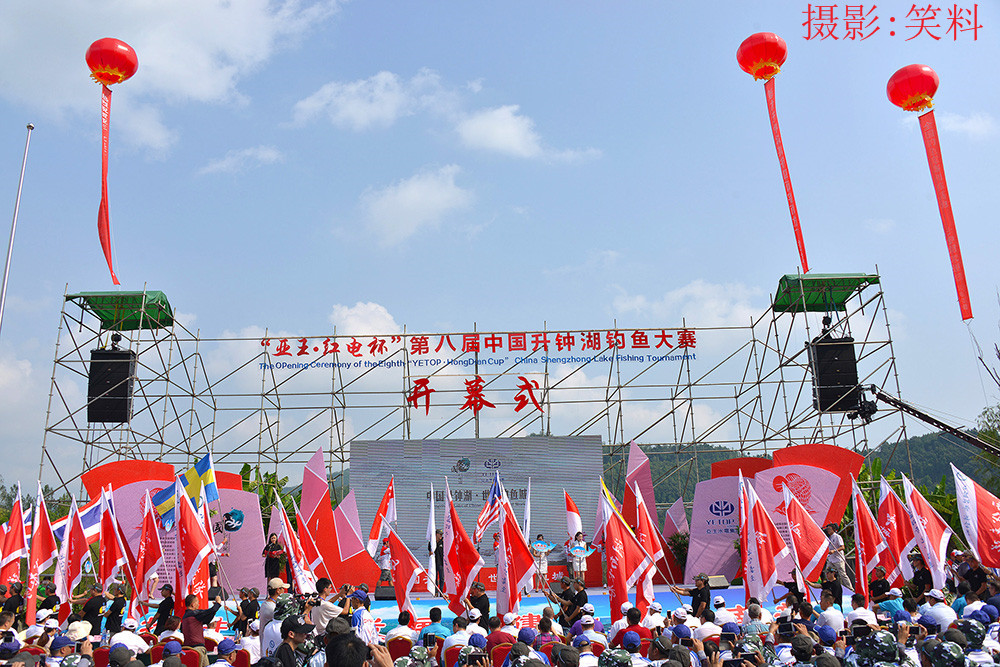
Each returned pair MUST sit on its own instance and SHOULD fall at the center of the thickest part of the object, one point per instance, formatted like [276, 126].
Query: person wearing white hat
[587, 625]
[654, 619]
[942, 614]
[251, 641]
[621, 623]
[722, 614]
[36, 629]
[509, 619]
[128, 636]
[892, 603]
[475, 620]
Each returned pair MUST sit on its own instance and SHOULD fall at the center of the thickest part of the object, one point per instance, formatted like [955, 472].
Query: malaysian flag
[490, 511]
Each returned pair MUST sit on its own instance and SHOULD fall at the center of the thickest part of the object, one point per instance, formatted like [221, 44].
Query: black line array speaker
[835, 374]
[109, 389]
[385, 591]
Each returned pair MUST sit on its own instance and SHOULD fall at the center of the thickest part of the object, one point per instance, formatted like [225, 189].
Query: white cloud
[378, 101]
[880, 225]
[976, 125]
[703, 304]
[236, 161]
[506, 131]
[363, 319]
[398, 211]
[188, 50]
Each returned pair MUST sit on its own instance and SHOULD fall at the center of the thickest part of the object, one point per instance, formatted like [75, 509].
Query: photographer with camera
[63, 647]
[294, 633]
[325, 607]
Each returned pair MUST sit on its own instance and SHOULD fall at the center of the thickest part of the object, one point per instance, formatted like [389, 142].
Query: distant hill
[930, 455]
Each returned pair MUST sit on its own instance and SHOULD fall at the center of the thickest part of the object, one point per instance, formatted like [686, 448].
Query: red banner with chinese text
[103, 220]
[772, 113]
[928, 128]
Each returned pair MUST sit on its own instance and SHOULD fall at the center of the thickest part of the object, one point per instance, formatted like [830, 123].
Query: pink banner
[236, 527]
[813, 487]
[715, 529]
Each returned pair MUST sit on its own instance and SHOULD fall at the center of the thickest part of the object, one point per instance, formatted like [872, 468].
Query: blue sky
[304, 164]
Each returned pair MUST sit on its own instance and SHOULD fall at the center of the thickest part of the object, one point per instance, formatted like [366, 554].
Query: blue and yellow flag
[202, 474]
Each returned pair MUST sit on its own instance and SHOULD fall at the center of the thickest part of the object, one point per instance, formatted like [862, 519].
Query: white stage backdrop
[553, 463]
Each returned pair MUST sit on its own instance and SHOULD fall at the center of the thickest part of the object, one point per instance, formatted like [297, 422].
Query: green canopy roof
[819, 292]
[126, 311]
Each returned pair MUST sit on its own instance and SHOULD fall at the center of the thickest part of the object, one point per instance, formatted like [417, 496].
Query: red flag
[103, 220]
[313, 557]
[405, 573]
[43, 550]
[979, 513]
[149, 556]
[627, 560]
[386, 515]
[809, 544]
[793, 210]
[15, 546]
[515, 564]
[868, 541]
[69, 566]
[652, 543]
[305, 581]
[932, 533]
[193, 547]
[761, 544]
[462, 561]
[573, 523]
[348, 527]
[639, 474]
[111, 555]
[897, 531]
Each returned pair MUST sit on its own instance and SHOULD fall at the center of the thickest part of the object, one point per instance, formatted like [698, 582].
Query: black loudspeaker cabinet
[109, 389]
[385, 591]
[835, 374]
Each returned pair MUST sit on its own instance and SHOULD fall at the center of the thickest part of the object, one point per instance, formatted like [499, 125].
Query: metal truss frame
[754, 398]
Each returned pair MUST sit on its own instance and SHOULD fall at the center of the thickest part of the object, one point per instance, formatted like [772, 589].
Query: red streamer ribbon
[772, 113]
[928, 127]
[103, 220]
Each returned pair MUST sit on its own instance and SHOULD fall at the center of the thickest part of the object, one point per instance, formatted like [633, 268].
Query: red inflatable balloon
[913, 87]
[111, 61]
[762, 54]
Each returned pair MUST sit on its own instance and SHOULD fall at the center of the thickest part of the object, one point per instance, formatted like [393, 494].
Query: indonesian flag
[933, 534]
[573, 523]
[760, 543]
[193, 548]
[809, 544]
[405, 573]
[462, 561]
[111, 555]
[305, 581]
[69, 565]
[515, 564]
[149, 556]
[897, 532]
[868, 541]
[431, 546]
[15, 547]
[649, 538]
[386, 515]
[314, 559]
[347, 525]
[979, 512]
[43, 550]
[627, 560]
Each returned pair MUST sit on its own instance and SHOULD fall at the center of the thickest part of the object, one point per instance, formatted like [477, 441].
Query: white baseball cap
[936, 594]
[475, 613]
[680, 613]
[656, 606]
[130, 624]
[587, 619]
[626, 606]
[509, 618]
[588, 608]
[895, 592]
[719, 601]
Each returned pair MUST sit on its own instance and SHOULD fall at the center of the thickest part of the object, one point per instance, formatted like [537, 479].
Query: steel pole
[13, 225]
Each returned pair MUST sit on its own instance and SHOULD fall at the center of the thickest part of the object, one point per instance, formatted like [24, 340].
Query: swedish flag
[201, 475]
[163, 501]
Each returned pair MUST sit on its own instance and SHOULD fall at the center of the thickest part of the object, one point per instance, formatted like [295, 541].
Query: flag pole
[13, 224]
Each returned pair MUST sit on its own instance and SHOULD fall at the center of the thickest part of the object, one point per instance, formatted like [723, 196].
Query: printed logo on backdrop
[800, 488]
[463, 465]
[722, 508]
[232, 520]
[491, 464]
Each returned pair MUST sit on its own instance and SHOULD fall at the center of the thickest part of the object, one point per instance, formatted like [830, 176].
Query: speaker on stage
[109, 387]
[835, 374]
[385, 591]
